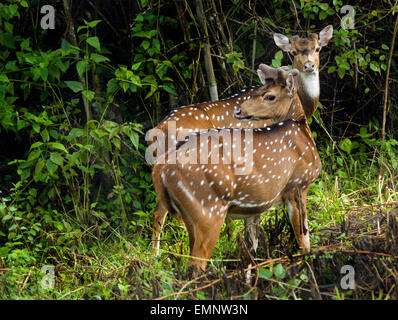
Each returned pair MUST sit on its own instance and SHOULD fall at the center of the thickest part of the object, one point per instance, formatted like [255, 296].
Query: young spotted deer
[306, 59]
[220, 114]
[276, 164]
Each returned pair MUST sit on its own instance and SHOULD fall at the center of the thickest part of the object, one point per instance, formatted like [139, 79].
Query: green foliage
[277, 61]
[235, 59]
[75, 189]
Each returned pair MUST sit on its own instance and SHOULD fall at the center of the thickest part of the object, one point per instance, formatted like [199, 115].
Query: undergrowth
[104, 261]
[76, 196]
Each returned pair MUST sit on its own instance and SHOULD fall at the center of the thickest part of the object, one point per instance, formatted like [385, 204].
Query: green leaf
[36, 127]
[38, 170]
[279, 271]
[25, 173]
[89, 94]
[341, 73]
[136, 66]
[82, 66]
[304, 277]
[137, 204]
[34, 154]
[56, 158]
[331, 69]
[134, 139]
[270, 22]
[44, 134]
[65, 45]
[4, 78]
[75, 133]
[346, 145]
[25, 45]
[265, 273]
[276, 63]
[36, 145]
[279, 55]
[75, 86]
[323, 15]
[58, 146]
[170, 89]
[374, 66]
[44, 74]
[51, 167]
[21, 124]
[6, 217]
[98, 58]
[93, 23]
[8, 40]
[81, 28]
[94, 42]
[145, 34]
[156, 44]
[324, 6]
[145, 44]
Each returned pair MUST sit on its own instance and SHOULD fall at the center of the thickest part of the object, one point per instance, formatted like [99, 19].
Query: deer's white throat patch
[310, 83]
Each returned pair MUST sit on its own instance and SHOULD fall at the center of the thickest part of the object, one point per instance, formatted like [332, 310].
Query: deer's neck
[309, 91]
[295, 112]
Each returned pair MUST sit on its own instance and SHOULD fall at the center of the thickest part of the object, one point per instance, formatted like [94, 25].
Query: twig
[383, 128]
[103, 17]
[381, 254]
[371, 206]
[254, 50]
[25, 281]
[317, 291]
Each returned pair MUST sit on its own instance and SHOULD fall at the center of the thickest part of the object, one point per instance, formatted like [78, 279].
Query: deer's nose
[309, 67]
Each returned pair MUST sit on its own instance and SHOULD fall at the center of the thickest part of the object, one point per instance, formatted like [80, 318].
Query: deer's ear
[325, 35]
[282, 42]
[261, 75]
[294, 72]
[290, 84]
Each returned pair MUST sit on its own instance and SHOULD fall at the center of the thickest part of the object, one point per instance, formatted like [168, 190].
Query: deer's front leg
[251, 233]
[159, 216]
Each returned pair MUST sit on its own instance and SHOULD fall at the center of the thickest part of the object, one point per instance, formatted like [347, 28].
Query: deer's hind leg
[204, 229]
[296, 206]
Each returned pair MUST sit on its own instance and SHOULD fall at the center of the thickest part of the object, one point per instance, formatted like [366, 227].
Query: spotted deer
[220, 114]
[280, 162]
[190, 119]
[306, 59]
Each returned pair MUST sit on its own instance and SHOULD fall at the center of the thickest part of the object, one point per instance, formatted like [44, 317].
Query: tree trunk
[207, 55]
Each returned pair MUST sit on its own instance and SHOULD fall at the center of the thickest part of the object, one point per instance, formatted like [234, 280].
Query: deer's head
[272, 100]
[305, 50]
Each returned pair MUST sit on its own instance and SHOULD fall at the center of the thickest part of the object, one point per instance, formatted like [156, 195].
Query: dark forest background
[76, 101]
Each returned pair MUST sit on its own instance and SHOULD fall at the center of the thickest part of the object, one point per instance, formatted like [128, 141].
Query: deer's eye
[318, 49]
[294, 52]
[270, 98]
